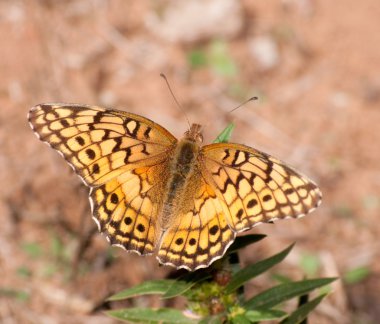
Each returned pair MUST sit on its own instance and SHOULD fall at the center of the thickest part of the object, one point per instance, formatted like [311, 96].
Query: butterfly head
[194, 134]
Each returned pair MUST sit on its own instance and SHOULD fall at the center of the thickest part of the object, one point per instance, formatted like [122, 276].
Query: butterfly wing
[123, 158]
[100, 143]
[199, 234]
[256, 187]
[126, 208]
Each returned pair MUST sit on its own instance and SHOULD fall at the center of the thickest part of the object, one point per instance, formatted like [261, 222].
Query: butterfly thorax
[194, 134]
[182, 165]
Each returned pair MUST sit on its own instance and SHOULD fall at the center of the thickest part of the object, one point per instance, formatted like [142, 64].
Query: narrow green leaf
[151, 316]
[32, 249]
[264, 315]
[146, 288]
[303, 311]
[220, 60]
[281, 278]
[356, 275]
[225, 135]
[240, 319]
[178, 288]
[14, 293]
[280, 293]
[24, 272]
[310, 264]
[247, 273]
[197, 58]
[243, 241]
[216, 319]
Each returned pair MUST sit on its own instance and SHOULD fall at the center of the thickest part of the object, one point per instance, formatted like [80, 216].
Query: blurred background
[314, 66]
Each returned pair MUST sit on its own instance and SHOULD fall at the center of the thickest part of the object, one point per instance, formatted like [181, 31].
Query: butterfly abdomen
[182, 168]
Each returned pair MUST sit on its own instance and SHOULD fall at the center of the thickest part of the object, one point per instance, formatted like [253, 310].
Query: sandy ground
[314, 65]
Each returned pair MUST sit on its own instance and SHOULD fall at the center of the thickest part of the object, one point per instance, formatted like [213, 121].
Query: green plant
[216, 294]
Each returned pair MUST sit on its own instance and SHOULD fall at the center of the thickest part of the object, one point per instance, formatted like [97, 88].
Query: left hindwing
[256, 187]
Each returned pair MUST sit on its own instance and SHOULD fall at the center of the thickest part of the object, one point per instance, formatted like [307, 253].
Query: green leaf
[356, 275]
[197, 58]
[310, 264]
[220, 60]
[17, 294]
[243, 241]
[281, 278]
[247, 273]
[49, 270]
[225, 135]
[240, 319]
[34, 250]
[24, 272]
[216, 319]
[303, 311]
[56, 247]
[283, 292]
[264, 314]
[177, 288]
[151, 316]
[146, 288]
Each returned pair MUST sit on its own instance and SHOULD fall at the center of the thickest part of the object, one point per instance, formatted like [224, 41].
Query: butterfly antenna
[175, 99]
[250, 99]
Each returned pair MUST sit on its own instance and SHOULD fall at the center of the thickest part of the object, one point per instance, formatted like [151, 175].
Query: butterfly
[152, 193]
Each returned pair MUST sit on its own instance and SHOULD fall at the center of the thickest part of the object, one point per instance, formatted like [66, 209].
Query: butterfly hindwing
[100, 143]
[126, 208]
[199, 234]
[255, 186]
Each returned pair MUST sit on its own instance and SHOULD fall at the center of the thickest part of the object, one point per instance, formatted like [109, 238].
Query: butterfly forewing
[100, 143]
[255, 186]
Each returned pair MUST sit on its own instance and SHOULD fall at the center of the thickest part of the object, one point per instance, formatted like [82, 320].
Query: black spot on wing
[80, 140]
[128, 220]
[146, 133]
[289, 191]
[227, 154]
[98, 117]
[179, 241]
[106, 134]
[114, 198]
[252, 203]
[90, 154]
[267, 197]
[64, 123]
[192, 241]
[141, 228]
[118, 141]
[240, 213]
[128, 153]
[268, 171]
[95, 168]
[214, 229]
